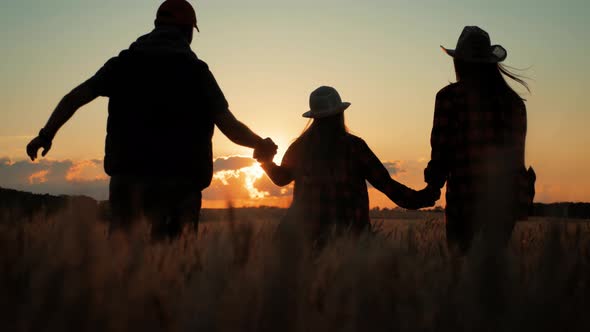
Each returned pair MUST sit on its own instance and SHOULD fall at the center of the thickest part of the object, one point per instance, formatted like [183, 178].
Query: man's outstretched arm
[240, 134]
[70, 103]
[235, 130]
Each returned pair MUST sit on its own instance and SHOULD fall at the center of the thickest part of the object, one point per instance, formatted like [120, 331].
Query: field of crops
[63, 273]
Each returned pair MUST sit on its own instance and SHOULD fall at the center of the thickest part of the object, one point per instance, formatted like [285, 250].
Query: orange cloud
[57, 177]
[245, 177]
[38, 177]
[238, 179]
[85, 170]
[241, 181]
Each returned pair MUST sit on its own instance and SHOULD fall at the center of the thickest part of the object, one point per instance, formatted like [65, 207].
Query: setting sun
[250, 175]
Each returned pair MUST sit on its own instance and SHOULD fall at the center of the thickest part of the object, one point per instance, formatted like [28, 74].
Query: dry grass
[65, 274]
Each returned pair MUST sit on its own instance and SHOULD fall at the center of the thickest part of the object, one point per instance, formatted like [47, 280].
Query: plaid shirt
[478, 143]
[332, 189]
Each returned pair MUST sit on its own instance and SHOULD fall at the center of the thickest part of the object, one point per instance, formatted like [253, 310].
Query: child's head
[325, 102]
[326, 114]
[322, 135]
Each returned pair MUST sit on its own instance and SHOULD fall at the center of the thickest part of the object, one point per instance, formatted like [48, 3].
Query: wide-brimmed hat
[474, 45]
[325, 102]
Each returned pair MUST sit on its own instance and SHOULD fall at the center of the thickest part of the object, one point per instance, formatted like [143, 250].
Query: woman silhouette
[478, 144]
[330, 168]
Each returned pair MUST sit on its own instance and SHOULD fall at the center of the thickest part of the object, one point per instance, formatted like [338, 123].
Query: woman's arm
[520, 125]
[437, 170]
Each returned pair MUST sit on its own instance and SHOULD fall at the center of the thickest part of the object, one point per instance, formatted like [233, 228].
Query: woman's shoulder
[451, 97]
[518, 101]
[450, 90]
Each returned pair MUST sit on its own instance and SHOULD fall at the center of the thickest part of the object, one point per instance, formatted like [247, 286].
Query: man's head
[177, 13]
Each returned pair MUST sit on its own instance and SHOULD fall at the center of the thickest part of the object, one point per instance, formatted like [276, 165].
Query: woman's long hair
[490, 76]
[488, 81]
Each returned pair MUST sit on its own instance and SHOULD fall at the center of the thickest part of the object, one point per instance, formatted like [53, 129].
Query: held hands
[418, 199]
[428, 196]
[265, 151]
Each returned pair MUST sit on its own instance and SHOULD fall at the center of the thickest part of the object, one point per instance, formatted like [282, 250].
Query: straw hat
[325, 102]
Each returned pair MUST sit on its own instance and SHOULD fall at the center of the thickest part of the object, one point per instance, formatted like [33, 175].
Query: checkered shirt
[332, 189]
[478, 142]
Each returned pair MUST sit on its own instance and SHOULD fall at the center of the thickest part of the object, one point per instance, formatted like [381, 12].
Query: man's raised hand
[36, 144]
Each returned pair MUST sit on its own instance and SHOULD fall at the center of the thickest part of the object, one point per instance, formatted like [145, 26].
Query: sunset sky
[382, 56]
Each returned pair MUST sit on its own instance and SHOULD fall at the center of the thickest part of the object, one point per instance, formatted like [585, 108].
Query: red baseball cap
[177, 12]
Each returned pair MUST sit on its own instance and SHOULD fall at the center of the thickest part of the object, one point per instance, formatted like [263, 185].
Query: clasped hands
[426, 197]
[265, 151]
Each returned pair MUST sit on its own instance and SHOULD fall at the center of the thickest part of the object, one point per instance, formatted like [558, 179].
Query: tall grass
[66, 274]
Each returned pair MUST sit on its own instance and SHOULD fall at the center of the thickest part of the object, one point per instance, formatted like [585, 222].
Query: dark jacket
[161, 109]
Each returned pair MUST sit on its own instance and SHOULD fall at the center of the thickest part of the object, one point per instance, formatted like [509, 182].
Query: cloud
[238, 179]
[86, 170]
[39, 177]
[393, 167]
[235, 177]
[57, 177]
[232, 163]
[242, 181]
[265, 184]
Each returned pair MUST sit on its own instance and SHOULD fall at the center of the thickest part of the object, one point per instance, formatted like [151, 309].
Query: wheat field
[63, 273]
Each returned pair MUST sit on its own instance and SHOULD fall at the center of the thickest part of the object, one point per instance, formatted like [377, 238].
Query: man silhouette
[163, 106]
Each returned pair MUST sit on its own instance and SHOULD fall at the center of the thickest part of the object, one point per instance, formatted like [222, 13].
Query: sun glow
[250, 175]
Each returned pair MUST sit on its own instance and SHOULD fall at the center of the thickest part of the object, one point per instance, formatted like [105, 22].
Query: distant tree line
[552, 210]
[18, 205]
[561, 210]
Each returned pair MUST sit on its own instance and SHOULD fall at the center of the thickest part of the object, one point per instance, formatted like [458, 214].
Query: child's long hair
[320, 141]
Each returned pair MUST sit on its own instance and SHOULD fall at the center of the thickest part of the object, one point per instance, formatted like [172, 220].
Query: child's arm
[379, 177]
[280, 175]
